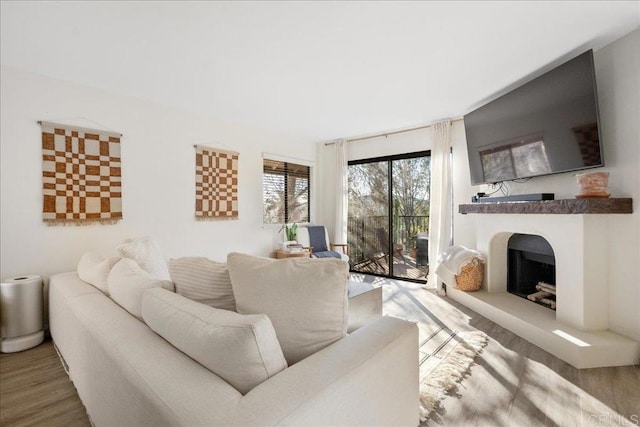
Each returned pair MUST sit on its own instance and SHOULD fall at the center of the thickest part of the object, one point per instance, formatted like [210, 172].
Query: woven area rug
[446, 358]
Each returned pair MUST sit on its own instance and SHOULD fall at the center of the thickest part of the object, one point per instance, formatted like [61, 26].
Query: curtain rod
[395, 132]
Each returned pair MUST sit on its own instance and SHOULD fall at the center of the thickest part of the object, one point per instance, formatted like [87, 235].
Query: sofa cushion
[306, 299]
[242, 350]
[203, 280]
[94, 269]
[127, 282]
[146, 252]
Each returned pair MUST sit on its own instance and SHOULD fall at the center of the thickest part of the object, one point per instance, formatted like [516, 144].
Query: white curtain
[341, 189]
[440, 214]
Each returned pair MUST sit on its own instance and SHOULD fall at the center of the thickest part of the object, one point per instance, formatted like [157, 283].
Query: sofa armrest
[367, 378]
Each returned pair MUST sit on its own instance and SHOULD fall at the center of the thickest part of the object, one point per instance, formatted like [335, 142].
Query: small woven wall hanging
[81, 175]
[216, 183]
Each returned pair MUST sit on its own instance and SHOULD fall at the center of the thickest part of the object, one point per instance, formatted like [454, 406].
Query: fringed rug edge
[449, 373]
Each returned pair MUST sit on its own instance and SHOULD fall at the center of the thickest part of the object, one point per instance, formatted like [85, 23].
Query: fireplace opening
[531, 269]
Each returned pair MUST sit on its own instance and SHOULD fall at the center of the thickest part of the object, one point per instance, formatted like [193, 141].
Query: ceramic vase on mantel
[593, 184]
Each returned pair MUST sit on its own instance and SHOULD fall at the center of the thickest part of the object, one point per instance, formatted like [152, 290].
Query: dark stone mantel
[565, 206]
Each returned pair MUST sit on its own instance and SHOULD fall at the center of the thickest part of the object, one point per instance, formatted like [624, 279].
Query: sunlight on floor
[514, 383]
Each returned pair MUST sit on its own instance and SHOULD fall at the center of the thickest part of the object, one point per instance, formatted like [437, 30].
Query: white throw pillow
[203, 280]
[127, 283]
[146, 252]
[242, 350]
[305, 298]
[94, 269]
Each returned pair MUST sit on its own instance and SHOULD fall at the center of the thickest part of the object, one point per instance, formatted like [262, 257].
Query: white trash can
[21, 313]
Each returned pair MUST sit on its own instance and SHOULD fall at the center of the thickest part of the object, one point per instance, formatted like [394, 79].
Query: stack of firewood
[546, 294]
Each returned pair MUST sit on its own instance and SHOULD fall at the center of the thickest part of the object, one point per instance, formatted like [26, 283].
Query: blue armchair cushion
[327, 254]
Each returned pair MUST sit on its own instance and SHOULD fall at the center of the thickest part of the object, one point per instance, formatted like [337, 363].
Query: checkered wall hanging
[81, 175]
[216, 183]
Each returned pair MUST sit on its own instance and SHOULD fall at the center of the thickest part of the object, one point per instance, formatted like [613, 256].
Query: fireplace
[571, 243]
[531, 264]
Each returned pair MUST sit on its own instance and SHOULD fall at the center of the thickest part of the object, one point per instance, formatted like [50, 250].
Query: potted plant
[291, 232]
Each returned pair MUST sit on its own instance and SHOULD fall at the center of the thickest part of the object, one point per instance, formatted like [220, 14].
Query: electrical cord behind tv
[503, 187]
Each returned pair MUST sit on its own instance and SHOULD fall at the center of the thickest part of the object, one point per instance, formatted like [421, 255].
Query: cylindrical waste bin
[21, 325]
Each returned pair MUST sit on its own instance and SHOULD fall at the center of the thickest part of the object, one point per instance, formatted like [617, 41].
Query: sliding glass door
[389, 216]
[368, 219]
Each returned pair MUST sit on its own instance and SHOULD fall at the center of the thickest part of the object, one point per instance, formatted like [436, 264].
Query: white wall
[618, 80]
[158, 176]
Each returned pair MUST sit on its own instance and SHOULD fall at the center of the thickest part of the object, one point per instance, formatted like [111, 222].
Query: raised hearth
[578, 331]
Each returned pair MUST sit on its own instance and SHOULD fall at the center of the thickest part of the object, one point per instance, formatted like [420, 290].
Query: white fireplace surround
[577, 332]
[579, 246]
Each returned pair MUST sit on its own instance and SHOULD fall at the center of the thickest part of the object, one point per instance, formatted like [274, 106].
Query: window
[285, 192]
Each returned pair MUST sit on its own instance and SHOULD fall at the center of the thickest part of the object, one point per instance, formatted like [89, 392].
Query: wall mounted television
[546, 126]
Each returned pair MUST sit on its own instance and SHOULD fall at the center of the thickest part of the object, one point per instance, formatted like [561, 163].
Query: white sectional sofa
[127, 375]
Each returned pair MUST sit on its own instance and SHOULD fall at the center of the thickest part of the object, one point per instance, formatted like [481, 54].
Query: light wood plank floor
[35, 390]
[513, 382]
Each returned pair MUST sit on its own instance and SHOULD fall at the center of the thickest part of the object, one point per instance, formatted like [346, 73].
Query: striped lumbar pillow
[204, 281]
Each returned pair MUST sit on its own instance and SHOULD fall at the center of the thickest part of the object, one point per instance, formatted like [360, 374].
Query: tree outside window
[286, 191]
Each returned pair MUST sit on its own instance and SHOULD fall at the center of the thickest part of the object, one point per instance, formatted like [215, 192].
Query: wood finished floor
[35, 390]
[513, 383]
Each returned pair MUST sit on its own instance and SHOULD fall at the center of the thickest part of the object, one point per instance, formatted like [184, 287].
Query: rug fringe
[216, 218]
[444, 379]
[81, 223]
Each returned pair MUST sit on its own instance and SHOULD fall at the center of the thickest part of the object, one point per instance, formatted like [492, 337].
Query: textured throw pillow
[127, 282]
[305, 298]
[242, 350]
[146, 252]
[203, 280]
[94, 269]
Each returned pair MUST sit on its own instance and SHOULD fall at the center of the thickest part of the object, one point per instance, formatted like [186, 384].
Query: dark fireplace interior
[530, 260]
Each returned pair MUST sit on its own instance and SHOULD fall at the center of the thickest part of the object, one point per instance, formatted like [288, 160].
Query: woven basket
[470, 277]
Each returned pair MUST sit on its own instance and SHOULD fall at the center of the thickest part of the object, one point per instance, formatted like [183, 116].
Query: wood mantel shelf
[561, 207]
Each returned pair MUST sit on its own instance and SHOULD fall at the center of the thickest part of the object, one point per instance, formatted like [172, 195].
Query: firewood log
[551, 303]
[546, 287]
[538, 295]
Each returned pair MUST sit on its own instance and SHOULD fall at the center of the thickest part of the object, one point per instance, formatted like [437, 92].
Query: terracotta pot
[593, 184]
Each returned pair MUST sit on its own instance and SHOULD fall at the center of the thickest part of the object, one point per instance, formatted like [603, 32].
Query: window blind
[285, 192]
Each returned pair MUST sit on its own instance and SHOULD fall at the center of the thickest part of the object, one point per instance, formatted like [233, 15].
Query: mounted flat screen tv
[546, 126]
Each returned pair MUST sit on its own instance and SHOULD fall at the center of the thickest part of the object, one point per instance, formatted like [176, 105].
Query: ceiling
[318, 70]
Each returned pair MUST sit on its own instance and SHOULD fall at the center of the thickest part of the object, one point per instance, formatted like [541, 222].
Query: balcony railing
[368, 235]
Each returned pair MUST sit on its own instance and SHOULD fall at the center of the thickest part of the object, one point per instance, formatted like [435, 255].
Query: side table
[365, 304]
[305, 253]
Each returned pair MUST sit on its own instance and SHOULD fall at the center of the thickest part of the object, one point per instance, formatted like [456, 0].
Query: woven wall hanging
[216, 183]
[81, 175]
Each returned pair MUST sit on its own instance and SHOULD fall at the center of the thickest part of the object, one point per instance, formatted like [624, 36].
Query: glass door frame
[390, 159]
